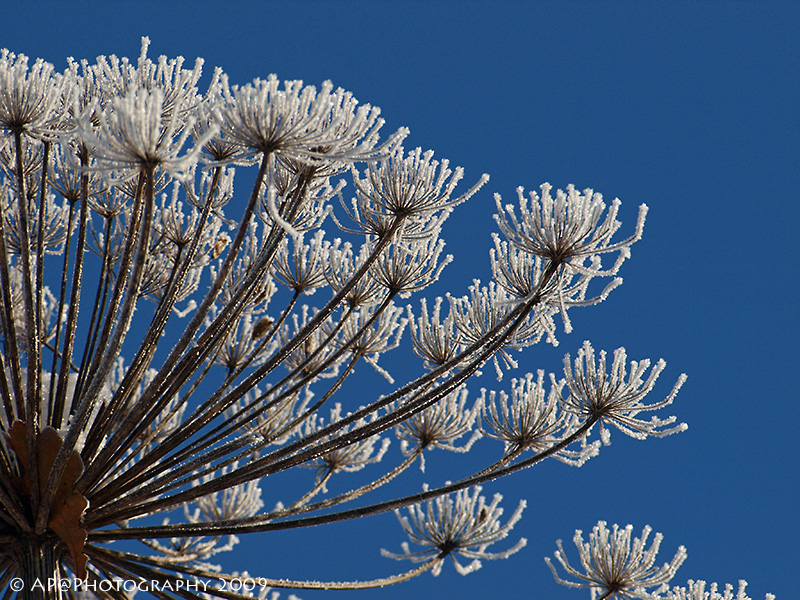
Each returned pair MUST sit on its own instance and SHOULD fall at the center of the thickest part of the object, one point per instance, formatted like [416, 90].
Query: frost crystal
[616, 397]
[466, 526]
[616, 565]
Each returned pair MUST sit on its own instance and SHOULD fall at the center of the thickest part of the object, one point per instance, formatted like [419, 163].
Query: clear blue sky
[691, 108]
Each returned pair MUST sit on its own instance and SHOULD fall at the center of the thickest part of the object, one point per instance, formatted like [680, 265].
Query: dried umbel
[615, 564]
[162, 360]
[466, 526]
[699, 590]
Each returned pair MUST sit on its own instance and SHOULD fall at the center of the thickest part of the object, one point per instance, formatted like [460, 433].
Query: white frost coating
[466, 526]
[615, 562]
[616, 396]
[133, 133]
[697, 590]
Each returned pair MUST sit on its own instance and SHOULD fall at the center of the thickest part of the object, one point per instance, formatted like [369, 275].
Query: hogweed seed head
[613, 564]
[530, 419]
[440, 425]
[616, 396]
[466, 526]
[30, 96]
[697, 590]
[565, 227]
[134, 133]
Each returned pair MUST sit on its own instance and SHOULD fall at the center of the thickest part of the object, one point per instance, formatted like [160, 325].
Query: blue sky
[689, 107]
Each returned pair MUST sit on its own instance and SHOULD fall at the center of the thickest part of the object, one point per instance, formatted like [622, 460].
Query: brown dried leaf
[65, 522]
[68, 506]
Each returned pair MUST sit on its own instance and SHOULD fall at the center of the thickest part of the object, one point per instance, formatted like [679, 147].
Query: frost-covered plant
[697, 590]
[162, 360]
[613, 564]
[466, 526]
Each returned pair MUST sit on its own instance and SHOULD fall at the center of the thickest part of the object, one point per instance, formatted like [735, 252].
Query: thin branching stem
[148, 346]
[126, 432]
[32, 346]
[100, 302]
[10, 342]
[268, 523]
[70, 329]
[212, 408]
[303, 449]
[114, 344]
[58, 407]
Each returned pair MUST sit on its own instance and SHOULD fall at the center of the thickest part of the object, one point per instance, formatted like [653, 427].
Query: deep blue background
[689, 107]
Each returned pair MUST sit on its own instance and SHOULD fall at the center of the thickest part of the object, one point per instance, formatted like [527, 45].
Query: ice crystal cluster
[172, 343]
[613, 564]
